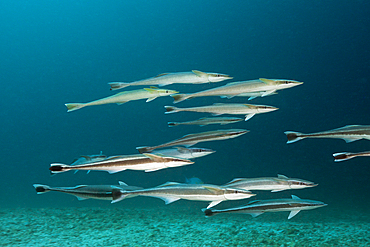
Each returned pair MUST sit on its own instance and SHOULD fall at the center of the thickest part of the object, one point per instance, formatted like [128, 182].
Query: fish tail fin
[40, 189]
[118, 85]
[58, 168]
[74, 106]
[293, 136]
[179, 97]
[208, 212]
[341, 156]
[171, 109]
[144, 149]
[118, 195]
[172, 124]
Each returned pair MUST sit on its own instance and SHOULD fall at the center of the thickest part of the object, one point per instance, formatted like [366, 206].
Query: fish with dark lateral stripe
[192, 139]
[347, 155]
[193, 77]
[83, 192]
[349, 133]
[255, 208]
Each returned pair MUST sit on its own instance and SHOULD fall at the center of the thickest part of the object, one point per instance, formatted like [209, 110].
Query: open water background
[55, 52]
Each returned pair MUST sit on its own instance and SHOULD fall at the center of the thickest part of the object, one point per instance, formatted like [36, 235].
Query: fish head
[166, 92]
[232, 133]
[176, 162]
[237, 194]
[215, 77]
[262, 108]
[295, 183]
[200, 152]
[282, 83]
[311, 204]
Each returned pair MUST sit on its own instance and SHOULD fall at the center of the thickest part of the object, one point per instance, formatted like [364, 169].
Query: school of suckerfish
[160, 156]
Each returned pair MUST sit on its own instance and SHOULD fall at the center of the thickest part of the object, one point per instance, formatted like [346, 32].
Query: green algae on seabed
[176, 225]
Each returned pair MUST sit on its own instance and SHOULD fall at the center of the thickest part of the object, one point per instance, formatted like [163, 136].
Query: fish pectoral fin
[161, 74]
[120, 103]
[249, 116]
[293, 213]
[168, 199]
[211, 189]
[189, 144]
[349, 139]
[214, 203]
[165, 84]
[150, 99]
[268, 93]
[255, 214]
[253, 97]
[153, 169]
[115, 171]
[216, 114]
[154, 157]
[81, 198]
[276, 190]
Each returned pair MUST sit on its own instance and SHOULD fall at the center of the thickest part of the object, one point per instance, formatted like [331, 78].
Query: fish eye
[166, 91]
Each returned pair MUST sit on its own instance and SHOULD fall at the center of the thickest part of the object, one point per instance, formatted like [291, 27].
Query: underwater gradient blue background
[55, 52]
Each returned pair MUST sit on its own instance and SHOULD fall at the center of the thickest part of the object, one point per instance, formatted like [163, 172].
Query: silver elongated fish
[232, 89]
[207, 121]
[348, 133]
[255, 208]
[89, 158]
[192, 139]
[123, 97]
[140, 162]
[347, 155]
[171, 191]
[193, 77]
[83, 192]
[269, 183]
[219, 108]
[185, 153]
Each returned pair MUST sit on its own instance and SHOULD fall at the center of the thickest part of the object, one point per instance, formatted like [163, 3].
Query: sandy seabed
[179, 226]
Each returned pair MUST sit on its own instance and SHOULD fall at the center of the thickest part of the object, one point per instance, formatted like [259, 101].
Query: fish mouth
[312, 185]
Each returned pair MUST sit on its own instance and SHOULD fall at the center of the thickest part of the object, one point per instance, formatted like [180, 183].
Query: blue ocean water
[55, 52]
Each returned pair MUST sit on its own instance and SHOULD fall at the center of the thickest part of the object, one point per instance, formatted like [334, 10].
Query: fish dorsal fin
[295, 197]
[114, 157]
[293, 213]
[235, 180]
[154, 157]
[122, 183]
[253, 202]
[168, 184]
[115, 187]
[161, 75]
[182, 149]
[282, 176]
[153, 87]
[86, 157]
[267, 81]
[199, 73]
[79, 186]
[212, 189]
[150, 90]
